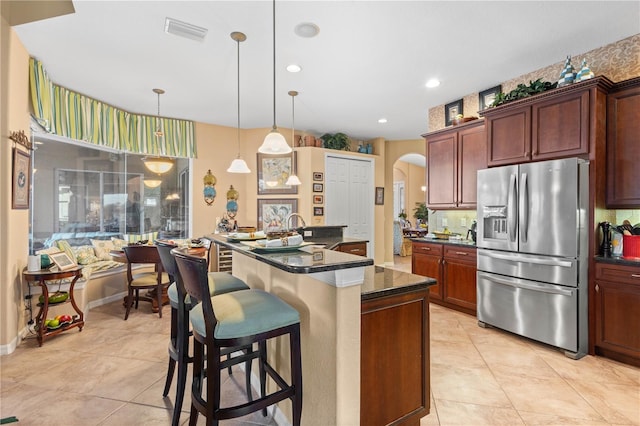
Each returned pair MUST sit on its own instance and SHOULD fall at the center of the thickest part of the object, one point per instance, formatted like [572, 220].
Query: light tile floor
[113, 372]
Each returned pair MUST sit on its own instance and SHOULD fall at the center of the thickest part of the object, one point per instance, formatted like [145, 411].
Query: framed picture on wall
[379, 195]
[318, 176]
[21, 179]
[486, 97]
[451, 110]
[318, 211]
[318, 199]
[273, 213]
[318, 187]
[273, 172]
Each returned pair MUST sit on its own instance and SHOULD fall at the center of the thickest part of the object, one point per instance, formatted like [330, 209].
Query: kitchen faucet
[288, 220]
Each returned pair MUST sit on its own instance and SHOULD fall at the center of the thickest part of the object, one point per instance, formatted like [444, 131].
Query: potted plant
[338, 141]
[421, 213]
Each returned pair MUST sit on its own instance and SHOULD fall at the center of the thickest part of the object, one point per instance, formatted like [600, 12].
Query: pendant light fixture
[293, 177]
[159, 133]
[238, 165]
[274, 142]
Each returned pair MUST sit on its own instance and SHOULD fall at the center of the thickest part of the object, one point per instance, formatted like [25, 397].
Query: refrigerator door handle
[524, 208]
[522, 284]
[511, 209]
[516, 258]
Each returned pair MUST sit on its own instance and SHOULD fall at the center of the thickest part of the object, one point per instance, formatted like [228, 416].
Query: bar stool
[237, 318]
[219, 283]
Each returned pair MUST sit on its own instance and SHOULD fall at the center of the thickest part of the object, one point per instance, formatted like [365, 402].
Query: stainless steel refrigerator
[532, 240]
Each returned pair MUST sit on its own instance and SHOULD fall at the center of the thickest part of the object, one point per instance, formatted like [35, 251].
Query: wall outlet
[463, 222]
[308, 234]
[445, 222]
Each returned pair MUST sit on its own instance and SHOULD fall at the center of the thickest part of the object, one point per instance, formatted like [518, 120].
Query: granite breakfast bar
[352, 353]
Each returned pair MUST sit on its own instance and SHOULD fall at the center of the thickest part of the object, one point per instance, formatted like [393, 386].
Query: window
[83, 192]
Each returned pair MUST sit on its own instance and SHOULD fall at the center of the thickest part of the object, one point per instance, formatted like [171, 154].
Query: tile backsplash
[457, 221]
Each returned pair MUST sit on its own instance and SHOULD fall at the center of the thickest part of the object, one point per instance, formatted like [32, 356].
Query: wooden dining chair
[156, 279]
[180, 335]
[233, 319]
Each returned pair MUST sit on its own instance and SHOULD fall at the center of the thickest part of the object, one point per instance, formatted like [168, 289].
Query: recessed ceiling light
[307, 30]
[434, 82]
[184, 29]
[294, 68]
[382, 120]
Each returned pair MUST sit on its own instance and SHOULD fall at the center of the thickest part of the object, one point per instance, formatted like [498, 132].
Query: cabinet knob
[597, 288]
[526, 153]
[534, 153]
[635, 275]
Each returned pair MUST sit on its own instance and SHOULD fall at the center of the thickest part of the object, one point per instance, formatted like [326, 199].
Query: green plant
[338, 141]
[402, 215]
[421, 212]
[523, 91]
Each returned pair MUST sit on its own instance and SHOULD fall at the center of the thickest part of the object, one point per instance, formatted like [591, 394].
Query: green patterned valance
[65, 113]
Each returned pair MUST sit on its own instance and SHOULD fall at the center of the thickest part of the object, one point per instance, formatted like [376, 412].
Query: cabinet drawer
[359, 249]
[618, 273]
[462, 254]
[427, 248]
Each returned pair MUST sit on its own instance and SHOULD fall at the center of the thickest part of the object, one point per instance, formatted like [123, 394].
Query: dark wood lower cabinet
[359, 249]
[394, 378]
[617, 312]
[454, 267]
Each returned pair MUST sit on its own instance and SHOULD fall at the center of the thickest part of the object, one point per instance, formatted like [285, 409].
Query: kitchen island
[354, 318]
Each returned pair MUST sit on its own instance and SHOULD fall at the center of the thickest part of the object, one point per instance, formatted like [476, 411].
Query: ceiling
[370, 60]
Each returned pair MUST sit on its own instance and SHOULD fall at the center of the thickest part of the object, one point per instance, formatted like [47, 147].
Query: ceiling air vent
[183, 29]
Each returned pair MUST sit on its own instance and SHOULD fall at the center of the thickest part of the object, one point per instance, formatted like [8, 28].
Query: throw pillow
[118, 243]
[65, 247]
[85, 255]
[102, 248]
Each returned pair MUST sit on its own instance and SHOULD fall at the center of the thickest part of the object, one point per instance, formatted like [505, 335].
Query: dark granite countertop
[331, 242]
[629, 261]
[468, 243]
[382, 282]
[310, 259]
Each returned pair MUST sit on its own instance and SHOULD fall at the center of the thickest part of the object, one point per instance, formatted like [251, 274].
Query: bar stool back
[233, 319]
[220, 282]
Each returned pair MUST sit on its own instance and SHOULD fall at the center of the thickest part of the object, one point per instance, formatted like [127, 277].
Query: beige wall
[14, 245]
[414, 178]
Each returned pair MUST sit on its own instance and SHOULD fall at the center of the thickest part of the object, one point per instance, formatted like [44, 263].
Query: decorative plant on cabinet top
[338, 141]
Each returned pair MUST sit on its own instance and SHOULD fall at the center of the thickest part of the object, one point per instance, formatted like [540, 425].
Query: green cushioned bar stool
[219, 283]
[230, 320]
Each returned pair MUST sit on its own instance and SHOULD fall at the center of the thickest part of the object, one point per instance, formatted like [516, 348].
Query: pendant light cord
[274, 65]
[238, 43]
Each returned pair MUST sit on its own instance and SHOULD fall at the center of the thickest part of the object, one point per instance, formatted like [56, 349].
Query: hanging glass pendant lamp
[274, 142]
[293, 177]
[238, 165]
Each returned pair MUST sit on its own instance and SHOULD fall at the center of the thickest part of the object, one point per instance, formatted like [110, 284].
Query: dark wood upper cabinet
[559, 123]
[623, 145]
[454, 155]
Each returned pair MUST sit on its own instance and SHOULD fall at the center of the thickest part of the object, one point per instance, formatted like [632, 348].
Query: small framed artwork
[21, 178]
[379, 195]
[318, 187]
[318, 255]
[273, 213]
[318, 176]
[318, 199]
[451, 110]
[318, 211]
[62, 261]
[486, 97]
[273, 172]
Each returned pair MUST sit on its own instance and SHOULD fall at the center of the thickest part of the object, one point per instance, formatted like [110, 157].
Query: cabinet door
[560, 127]
[623, 148]
[426, 260]
[509, 137]
[441, 170]
[617, 315]
[472, 156]
[459, 277]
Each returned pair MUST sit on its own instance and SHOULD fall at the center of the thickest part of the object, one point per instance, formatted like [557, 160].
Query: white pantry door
[349, 191]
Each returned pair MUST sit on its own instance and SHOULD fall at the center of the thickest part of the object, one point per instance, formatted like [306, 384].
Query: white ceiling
[370, 60]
